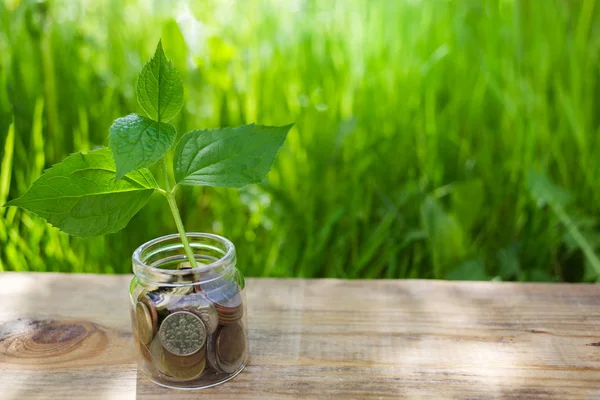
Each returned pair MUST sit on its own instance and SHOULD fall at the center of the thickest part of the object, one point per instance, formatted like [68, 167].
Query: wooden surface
[68, 337]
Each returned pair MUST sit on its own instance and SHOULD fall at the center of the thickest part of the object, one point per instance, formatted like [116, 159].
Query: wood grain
[68, 337]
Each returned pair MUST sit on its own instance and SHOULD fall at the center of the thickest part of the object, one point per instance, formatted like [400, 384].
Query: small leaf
[159, 89]
[81, 197]
[138, 142]
[227, 157]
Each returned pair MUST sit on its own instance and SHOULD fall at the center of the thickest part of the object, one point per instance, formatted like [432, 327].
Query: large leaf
[159, 89]
[81, 196]
[138, 142]
[228, 157]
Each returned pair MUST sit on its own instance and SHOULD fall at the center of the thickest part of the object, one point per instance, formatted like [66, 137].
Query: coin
[161, 300]
[229, 315]
[185, 361]
[179, 372]
[223, 292]
[202, 307]
[148, 303]
[144, 323]
[231, 347]
[226, 296]
[182, 333]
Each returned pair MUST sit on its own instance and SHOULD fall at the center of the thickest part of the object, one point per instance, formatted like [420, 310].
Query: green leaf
[228, 157]
[138, 142]
[81, 197]
[159, 89]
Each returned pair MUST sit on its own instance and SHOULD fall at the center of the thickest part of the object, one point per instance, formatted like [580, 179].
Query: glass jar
[189, 324]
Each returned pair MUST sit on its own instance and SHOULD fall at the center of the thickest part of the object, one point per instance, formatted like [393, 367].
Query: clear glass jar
[189, 325]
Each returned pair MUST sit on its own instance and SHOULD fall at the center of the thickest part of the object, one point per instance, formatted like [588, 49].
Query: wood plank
[68, 337]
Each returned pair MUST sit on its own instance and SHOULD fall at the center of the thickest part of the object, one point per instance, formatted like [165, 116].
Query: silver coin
[182, 333]
[202, 307]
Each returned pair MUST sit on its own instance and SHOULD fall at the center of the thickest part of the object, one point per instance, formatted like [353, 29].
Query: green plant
[96, 193]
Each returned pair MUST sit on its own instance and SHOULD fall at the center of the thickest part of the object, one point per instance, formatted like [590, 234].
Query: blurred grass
[433, 139]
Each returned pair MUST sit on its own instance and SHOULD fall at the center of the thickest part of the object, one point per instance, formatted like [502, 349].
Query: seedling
[95, 193]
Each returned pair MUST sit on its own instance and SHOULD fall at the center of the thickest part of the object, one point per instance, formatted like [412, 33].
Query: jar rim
[225, 260]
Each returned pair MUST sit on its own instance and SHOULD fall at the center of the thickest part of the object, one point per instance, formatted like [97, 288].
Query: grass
[433, 139]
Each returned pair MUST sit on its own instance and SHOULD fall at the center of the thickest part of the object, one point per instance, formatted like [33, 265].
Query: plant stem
[175, 211]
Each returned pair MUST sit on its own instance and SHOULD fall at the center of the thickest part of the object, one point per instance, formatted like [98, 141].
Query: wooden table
[68, 337]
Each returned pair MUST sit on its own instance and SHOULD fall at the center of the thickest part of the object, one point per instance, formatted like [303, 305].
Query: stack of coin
[226, 297]
[229, 315]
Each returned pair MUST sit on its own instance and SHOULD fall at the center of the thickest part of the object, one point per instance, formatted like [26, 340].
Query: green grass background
[433, 139]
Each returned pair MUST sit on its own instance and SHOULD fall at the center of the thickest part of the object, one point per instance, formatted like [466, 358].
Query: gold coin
[144, 323]
[185, 361]
[231, 347]
[182, 333]
[202, 307]
[152, 308]
[179, 372]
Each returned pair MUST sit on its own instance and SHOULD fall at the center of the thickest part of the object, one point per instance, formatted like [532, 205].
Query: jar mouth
[148, 258]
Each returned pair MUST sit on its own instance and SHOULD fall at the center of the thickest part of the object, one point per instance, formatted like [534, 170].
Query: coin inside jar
[223, 292]
[153, 314]
[229, 315]
[226, 296]
[144, 323]
[231, 347]
[179, 372]
[182, 333]
[202, 307]
[185, 361]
